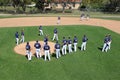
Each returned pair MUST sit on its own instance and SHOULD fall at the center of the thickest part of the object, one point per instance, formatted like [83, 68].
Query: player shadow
[79, 47]
[100, 48]
[53, 55]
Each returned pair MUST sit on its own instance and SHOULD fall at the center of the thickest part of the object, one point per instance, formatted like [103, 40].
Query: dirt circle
[20, 49]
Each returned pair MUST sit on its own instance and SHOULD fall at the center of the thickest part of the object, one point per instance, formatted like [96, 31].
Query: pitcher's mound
[20, 49]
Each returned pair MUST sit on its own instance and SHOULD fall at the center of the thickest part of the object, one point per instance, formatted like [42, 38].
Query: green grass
[110, 18]
[89, 65]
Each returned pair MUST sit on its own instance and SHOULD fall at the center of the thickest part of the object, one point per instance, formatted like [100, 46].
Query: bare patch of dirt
[20, 49]
[36, 21]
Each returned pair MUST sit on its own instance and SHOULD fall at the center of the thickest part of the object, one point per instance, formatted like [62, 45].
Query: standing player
[109, 41]
[47, 51]
[40, 30]
[58, 21]
[82, 16]
[28, 49]
[87, 17]
[37, 46]
[57, 49]
[69, 45]
[22, 36]
[75, 41]
[64, 47]
[105, 45]
[17, 38]
[55, 34]
[84, 42]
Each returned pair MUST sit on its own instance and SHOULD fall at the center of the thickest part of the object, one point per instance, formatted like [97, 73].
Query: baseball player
[69, 45]
[75, 42]
[40, 30]
[84, 42]
[82, 16]
[109, 41]
[37, 46]
[45, 39]
[87, 17]
[55, 34]
[105, 45]
[29, 54]
[17, 38]
[57, 49]
[64, 47]
[47, 51]
[58, 21]
[22, 36]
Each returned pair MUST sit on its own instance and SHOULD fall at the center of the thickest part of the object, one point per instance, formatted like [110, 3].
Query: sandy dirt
[20, 49]
[36, 21]
[46, 21]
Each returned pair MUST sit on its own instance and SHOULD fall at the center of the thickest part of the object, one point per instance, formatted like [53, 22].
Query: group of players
[66, 44]
[107, 43]
[19, 40]
[84, 17]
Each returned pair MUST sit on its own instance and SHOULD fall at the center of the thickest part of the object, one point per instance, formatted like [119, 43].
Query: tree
[20, 3]
[4, 3]
[112, 6]
[40, 4]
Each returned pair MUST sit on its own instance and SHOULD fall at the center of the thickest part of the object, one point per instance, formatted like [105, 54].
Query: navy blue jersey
[46, 47]
[75, 40]
[40, 28]
[57, 46]
[27, 47]
[22, 33]
[37, 45]
[69, 41]
[45, 39]
[84, 39]
[55, 31]
[64, 42]
[16, 35]
[109, 38]
[106, 40]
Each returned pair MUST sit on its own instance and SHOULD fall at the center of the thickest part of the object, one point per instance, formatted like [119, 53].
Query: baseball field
[91, 64]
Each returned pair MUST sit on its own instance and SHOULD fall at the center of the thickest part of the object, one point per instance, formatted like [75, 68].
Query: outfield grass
[89, 65]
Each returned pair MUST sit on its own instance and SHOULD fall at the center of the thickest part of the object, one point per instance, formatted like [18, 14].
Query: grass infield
[91, 64]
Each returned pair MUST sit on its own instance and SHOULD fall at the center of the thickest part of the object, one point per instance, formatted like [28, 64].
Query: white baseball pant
[70, 48]
[83, 46]
[17, 41]
[29, 54]
[38, 53]
[58, 53]
[47, 54]
[105, 47]
[64, 49]
[55, 37]
[75, 47]
[41, 32]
